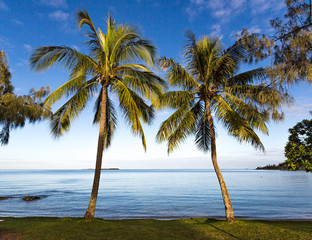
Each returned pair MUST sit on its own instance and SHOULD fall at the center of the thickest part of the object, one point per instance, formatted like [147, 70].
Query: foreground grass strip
[192, 228]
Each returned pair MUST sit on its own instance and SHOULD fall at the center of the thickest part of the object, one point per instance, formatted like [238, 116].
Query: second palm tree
[210, 85]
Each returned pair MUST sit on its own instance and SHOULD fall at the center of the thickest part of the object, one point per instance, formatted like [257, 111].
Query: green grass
[192, 228]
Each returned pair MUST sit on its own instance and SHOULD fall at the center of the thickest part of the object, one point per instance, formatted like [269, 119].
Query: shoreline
[166, 218]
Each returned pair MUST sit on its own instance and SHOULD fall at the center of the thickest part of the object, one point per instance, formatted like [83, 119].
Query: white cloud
[3, 6]
[75, 47]
[216, 30]
[22, 62]
[59, 15]
[27, 47]
[198, 2]
[221, 9]
[5, 42]
[55, 3]
[191, 13]
[223, 13]
[259, 6]
[238, 3]
[254, 29]
[17, 22]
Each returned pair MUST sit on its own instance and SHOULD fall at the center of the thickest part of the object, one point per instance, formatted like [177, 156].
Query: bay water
[158, 194]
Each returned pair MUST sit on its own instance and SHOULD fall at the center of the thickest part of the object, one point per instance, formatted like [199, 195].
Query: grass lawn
[192, 228]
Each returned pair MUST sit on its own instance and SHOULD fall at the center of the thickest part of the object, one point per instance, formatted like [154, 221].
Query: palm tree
[212, 89]
[111, 68]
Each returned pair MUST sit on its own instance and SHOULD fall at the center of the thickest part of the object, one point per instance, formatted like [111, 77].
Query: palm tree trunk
[97, 174]
[225, 194]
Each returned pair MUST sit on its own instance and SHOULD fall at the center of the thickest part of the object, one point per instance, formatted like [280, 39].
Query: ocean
[157, 194]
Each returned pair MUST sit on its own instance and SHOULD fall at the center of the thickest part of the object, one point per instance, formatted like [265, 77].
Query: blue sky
[27, 24]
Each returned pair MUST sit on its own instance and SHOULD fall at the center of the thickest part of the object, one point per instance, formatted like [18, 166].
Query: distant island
[281, 166]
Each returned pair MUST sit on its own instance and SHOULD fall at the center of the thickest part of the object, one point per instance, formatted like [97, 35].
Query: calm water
[157, 193]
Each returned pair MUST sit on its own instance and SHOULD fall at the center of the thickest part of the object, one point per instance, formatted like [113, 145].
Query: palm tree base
[230, 219]
[88, 216]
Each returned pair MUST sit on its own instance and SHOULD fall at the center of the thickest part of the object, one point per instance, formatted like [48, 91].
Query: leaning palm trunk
[225, 194]
[98, 165]
[210, 83]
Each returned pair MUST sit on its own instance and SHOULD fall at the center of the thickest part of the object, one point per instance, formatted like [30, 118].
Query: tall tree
[111, 68]
[212, 89]
[289, 48]
[298, 149]
[15, 110]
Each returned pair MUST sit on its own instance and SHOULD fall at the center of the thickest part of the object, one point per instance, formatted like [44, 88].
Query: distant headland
[281, 166]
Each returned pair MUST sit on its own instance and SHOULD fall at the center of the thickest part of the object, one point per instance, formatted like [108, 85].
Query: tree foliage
[114, 68]
[242, 102]
[211, 88]
[15, 109]
[298, 149]
[290, 47]
[109, 64]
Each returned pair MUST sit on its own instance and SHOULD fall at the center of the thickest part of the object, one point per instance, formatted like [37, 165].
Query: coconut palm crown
[210, 88]
[112, 67]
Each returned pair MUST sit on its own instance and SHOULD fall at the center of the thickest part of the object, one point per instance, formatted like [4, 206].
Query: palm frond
[66, 89]
[176, 74]
[250, 113]
[44, 57]
[176, 99]
[249, 77]
[137, 50]
[183, 130]
[133, 108]
[142, 80]
[93, 42]
[62, 118]
[236, 125]
[202, 130]
[237, 52]
[171, 123]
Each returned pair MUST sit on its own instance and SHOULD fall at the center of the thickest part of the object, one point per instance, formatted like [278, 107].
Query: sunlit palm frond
[261, 95]
[63, 117]
[66, 89]
[44, 57]
[133, 108]
[83, 18]
[142, 80]
[176, 74]
[138, 50]
[250, 77]
[236, 125]
[171, 123]
[182, 131]
[250, 113]
[176, 99]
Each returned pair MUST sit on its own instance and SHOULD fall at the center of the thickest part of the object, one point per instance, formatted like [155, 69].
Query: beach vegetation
[114, 68]
[298, 149]
[16, 110]
[211, 89]
[288, 47]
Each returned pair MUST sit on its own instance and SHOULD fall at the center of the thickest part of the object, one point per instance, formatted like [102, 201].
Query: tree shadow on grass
[210, 222]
